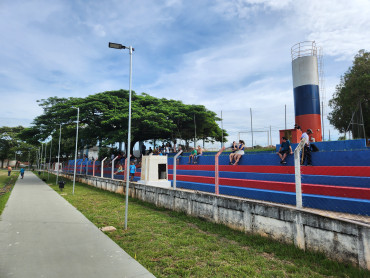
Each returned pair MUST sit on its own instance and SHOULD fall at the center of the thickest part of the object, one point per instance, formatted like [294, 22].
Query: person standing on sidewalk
[9, 170]
[22, 172]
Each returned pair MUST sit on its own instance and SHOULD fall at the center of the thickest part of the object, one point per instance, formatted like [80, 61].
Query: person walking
[9, 170]
[22, 172]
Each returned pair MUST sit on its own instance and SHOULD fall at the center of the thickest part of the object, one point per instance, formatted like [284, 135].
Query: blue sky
[226, 55]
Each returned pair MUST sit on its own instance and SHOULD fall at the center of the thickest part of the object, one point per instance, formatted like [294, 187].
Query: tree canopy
[11, 146]
[353, 91]
[104, 120]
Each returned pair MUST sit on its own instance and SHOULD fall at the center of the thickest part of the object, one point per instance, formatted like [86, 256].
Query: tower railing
[305, 48]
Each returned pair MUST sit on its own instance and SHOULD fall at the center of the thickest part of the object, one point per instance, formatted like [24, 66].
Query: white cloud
[227, 55]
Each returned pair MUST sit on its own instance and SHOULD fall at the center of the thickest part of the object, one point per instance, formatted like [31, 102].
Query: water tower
[306, 88]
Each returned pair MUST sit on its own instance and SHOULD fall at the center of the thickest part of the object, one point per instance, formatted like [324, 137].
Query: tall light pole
[60, 135]
[42, 150]
[120, 46]
[74, 172]
[46, 144]
[51, 145]
[251, 126]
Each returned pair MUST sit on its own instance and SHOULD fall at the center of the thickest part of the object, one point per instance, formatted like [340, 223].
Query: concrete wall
[341, 240]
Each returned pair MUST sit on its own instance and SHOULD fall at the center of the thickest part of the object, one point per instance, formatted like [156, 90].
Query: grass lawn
[172, 244]
[6, 183]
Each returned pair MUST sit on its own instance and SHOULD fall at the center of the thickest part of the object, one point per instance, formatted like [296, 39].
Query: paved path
[42, 235]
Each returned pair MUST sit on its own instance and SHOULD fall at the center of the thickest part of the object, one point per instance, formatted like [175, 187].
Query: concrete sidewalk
[42, 235]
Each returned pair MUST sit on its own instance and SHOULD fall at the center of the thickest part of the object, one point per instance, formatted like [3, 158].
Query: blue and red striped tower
[306, 88]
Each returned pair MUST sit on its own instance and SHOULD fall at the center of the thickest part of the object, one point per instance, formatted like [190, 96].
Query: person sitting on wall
[306, 154]
[199, 153]
[192, 156]
[120, 169]
[234, 148]
[238, 154]
[284, 150]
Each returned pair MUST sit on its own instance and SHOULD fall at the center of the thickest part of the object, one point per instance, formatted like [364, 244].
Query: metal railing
[305, 48]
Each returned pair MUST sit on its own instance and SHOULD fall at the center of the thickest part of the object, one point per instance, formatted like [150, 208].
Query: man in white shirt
[307, 150]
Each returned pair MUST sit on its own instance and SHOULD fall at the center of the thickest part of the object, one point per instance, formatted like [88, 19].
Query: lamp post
[42, 150]
[120, 46]
[74, 172]
[51, 145]
[60, 135]
[46, 144]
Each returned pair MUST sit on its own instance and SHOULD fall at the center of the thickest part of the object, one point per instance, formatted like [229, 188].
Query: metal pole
[51, 145]
[29, 154]
[128, 140]
[60, 136]
[251, 127]
[42, 150]
[102, 167]
[195, 133]
[322, 120]
[113, 167]
[87, 166]
[217, 191]
[362, 122]
[270, 137]
[37, 158]
[285, 116]
[46, 146]
[74, 172]
[222, 128]
[297, 170]
[174, 168]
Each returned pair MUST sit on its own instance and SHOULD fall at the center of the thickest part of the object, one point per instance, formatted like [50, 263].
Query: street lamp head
[119, 46]
[116, 45]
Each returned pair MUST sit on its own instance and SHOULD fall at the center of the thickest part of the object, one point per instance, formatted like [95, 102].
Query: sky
[232, 56]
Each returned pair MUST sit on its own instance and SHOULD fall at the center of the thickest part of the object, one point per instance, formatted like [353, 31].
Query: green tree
[353, 90]
[11, 146]
[104, 120]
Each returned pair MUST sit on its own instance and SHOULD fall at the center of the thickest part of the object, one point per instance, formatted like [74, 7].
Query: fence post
[217, 191]
[114, 159]
[174, 168]
[94, 168]
[102, 167]
[297, 169]
[82, 162]
[87, 166]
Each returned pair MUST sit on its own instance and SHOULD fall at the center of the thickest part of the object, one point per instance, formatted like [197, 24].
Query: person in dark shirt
[284, 150]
